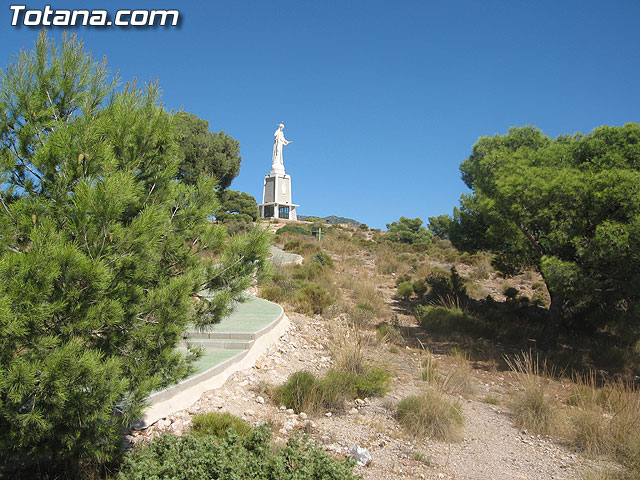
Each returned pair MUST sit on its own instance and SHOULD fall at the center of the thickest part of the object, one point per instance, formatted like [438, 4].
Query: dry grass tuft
[606, 420]
[533, 408]
[432, 415]
[457, 379]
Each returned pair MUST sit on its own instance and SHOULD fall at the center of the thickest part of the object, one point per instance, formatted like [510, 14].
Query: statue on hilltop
[277, 162]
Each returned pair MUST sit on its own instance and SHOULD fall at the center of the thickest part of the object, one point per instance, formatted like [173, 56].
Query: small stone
[303, 415]
[290, 411]
[248, 412]
[328, 414]
[282, 407]
[353, 410]
[260, 399]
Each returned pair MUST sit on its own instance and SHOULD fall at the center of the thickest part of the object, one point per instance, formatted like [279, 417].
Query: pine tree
[103, 255]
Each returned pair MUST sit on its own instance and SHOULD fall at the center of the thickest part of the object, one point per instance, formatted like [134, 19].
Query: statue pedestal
[276, 197]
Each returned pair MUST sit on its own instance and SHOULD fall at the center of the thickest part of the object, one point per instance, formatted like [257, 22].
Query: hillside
[518, 419]
[331, 220]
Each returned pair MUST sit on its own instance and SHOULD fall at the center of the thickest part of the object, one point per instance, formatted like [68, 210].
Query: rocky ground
[491, 448]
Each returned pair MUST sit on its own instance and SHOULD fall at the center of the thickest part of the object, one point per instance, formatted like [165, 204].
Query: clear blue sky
[382, 99]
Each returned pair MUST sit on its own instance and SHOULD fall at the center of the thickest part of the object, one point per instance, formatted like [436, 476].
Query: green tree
[202, 151]
[409, 230]
[238, 206]
[569, 207]
[439, 226]
[103, 255]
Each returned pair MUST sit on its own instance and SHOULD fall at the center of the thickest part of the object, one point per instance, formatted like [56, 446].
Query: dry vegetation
[481, 332]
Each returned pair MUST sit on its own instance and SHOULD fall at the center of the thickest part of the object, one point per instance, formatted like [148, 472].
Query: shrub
[323, 259]
[374, 382]
[443, 320]
[539, 299]
[301, 247]
[510, 292]
[294, 229]
[388, 333]
[449, 290]
[312, 298]
[273, 293]
[405, 290]
[361, 314]
[431, 415]
[252, 457]
[302, 392]
[217, 424]
[420, 287]
[308, 272]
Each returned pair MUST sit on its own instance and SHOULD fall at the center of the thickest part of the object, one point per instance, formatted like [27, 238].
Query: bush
[510, 292]
[308, 272]
[443, 320]
[405, 290]
[361, 314]
[323, 259]
[294, 229]
[449, 290]
[301, 247]
[302, 392]
[431, 415]
[388, 333]
[217, 424]
[252, 457]
[374, 382]
[273, 293]
[420, 287]
[312, 298]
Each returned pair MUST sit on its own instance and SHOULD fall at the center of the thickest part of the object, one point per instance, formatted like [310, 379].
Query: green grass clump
[217, 424]
[252, 457]
[302, 392]
[431, 415]
[305, 392]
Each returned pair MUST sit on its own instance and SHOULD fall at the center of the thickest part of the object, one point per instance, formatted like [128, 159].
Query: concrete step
[220, 335]
[225, 344]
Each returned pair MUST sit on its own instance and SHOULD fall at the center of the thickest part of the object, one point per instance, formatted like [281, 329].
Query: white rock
[259, 399]
[353, 410]
[303, 415]
[328, 414]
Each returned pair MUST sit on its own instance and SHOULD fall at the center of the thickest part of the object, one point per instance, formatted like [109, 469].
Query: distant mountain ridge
[331, 220]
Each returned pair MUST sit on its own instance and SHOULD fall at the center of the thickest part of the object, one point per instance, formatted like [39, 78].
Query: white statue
[277, 163]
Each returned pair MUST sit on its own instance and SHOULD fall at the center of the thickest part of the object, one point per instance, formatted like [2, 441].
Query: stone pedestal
[276, 197]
